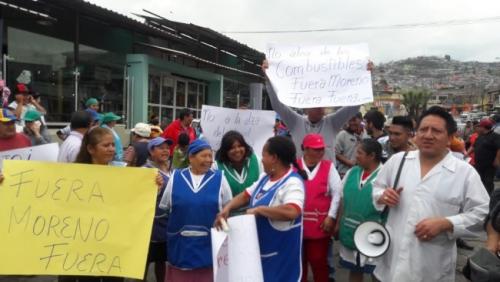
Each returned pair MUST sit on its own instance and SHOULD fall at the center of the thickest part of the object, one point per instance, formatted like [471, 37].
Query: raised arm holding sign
[278, 85]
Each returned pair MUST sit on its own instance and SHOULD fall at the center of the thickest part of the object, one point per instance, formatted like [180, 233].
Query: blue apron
[192, 215]
[280, 250]
[159, 233]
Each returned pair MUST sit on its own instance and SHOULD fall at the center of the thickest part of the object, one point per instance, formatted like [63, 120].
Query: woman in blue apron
[276, 199]
[159, 152]
[193, 197]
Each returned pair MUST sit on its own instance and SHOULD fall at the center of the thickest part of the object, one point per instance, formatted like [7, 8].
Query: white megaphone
[372, 239]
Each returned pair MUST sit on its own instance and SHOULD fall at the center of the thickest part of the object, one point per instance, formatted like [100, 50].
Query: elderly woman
[193, 197]
[320, 208]
[277, 200]
[34, 128]
[236, 158]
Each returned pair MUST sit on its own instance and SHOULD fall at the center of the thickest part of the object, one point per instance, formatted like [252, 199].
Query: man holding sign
[312, 78]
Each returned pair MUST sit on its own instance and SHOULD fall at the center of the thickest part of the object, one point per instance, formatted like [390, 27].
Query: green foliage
[415, 101]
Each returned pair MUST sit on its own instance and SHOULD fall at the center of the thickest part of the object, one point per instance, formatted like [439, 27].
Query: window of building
[169, 94]
[44, 63]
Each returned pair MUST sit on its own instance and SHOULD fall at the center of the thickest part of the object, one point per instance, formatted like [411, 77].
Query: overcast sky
[479, 41]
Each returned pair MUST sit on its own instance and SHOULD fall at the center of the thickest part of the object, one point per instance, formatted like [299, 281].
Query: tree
[415, 101]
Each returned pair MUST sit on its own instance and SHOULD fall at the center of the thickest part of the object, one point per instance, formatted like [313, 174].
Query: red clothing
[315, 252]
[17, 142]
[317, 201]
[472, 140]
[173, 130]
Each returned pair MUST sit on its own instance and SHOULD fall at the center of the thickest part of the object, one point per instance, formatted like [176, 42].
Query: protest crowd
[311, 185]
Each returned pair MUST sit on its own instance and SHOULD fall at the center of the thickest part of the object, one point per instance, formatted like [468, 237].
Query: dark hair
[358, 115]
[403, 121]
[80, 119]
[284, 149]
[91, 138]
[183, 139]
[496, 118]
[371, 146]
[451, 124]
[154, 119]
[185, 113]
[376, 118]
[227, 143]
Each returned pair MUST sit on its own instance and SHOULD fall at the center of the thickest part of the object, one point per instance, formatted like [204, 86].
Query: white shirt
[225, 194]
[70, 147]
[334, 186]
[291, 192]
[451, 189]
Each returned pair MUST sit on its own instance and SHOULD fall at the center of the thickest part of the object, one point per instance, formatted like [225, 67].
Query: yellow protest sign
[75, 219]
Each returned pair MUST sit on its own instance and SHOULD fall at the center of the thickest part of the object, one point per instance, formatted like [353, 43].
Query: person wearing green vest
[357, 207]
[238, 162]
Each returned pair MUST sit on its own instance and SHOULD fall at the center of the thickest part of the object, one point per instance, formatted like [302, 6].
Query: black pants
[487, 177]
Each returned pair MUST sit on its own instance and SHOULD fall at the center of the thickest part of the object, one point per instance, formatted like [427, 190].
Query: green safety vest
[357, 206]
[250, 174]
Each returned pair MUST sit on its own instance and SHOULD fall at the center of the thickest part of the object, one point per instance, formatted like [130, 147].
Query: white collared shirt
[451, 189]
[70, 147]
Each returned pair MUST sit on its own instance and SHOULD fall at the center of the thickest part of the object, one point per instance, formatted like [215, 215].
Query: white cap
[142, 129]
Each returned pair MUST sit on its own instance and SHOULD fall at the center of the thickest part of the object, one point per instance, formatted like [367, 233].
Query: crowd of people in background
[316, 180]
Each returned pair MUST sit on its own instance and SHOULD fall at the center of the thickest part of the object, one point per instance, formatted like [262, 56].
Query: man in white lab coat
[438, 199]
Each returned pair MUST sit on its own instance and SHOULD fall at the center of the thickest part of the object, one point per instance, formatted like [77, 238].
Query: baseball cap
[486, 123]
[313, 141]
[32, 115]
[7, 116]
[93, 114]
[155, 142]
[21, 89]
[142, 129]
[91, 101]
[107, 117]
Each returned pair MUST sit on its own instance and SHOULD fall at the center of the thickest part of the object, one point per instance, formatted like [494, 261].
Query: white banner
[256, 126]
[236, 254]
[47, 152]
[320, 76]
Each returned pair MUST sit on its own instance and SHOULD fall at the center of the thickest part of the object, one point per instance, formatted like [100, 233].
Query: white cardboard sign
[256, 126]
[320, 76]
[46, 152]
[236, 254]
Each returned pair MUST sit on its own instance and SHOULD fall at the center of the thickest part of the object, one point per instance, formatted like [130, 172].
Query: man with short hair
[9, 138]
[347, 142]
[80, 124]
[400, 133]
[181, 125]
[437, 199]
[487, 153]
[375, 125]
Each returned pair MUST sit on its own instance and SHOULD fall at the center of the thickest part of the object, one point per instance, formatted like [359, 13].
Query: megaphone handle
[396, 180]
